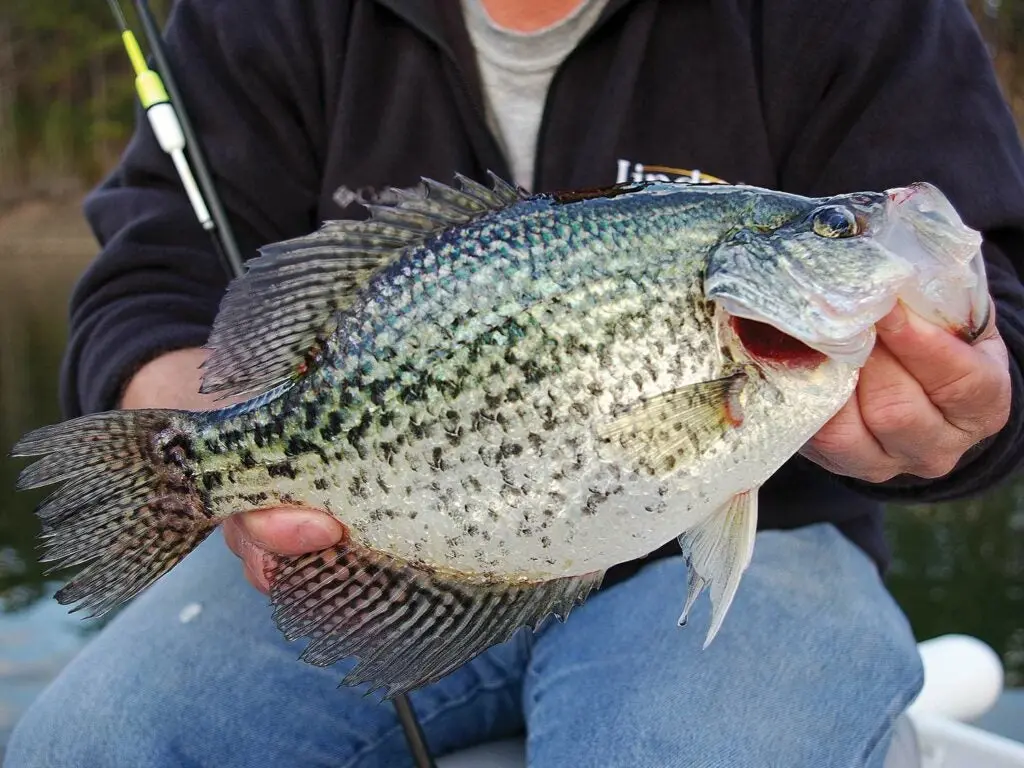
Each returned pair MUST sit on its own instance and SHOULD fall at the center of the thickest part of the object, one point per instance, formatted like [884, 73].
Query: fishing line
[159, 95]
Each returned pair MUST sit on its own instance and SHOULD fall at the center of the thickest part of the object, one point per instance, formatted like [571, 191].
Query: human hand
[256, 536]
[924, 398]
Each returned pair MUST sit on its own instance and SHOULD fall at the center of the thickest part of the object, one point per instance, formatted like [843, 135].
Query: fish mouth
[768, 344]
[776, 341]
[784, 296]
[950, 287]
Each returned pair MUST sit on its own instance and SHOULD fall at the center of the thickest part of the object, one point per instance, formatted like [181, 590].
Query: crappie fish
[502, 396]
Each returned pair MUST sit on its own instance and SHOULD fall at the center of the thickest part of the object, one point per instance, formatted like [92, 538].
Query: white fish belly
[517, 502]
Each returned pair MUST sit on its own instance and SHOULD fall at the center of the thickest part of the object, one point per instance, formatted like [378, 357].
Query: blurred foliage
[1002, 24]
[22, 576]
[959, 567]
[66, 94]
[34, 295]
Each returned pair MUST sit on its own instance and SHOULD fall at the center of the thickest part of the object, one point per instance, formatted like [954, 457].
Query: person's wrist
[171, 380]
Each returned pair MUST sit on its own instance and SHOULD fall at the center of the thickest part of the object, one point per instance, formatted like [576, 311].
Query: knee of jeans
[882, 672]
[861, 620]
[54, 732]
[875, 641]
[899, 673]
[897, 660]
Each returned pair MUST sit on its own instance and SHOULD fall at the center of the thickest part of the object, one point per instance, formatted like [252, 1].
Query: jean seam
[426, 720]
[897, 706]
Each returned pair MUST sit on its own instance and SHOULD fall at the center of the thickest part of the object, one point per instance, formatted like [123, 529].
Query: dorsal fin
[274, 317]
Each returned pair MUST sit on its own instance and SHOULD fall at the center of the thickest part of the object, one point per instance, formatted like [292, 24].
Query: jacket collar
[441, 22]
[433, 17]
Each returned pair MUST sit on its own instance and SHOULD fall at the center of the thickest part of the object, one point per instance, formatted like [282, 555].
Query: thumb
[282, 530]
[291, 530]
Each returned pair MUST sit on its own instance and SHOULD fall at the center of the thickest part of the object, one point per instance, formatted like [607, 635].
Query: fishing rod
[160, 98]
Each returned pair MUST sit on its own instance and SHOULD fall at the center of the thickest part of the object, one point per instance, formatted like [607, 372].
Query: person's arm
[170, 381]
[881, 94]
[145, 306]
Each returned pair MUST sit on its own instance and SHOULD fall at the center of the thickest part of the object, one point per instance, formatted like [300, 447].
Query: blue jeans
[811, 668]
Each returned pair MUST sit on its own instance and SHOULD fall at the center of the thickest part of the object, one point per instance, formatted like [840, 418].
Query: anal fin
[718, 551]
[407, 625]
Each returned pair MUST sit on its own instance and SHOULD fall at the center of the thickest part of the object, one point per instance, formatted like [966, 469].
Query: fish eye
[834, 221]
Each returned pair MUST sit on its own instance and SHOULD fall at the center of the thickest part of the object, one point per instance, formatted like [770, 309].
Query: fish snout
[950, 288]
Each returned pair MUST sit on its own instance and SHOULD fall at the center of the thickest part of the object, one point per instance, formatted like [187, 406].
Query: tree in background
[66, 95]
[1002, 24]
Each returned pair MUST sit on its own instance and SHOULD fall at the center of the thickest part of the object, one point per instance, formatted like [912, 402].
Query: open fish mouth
[798, 327]
[952, 288]
[767, 343]
[774, 341]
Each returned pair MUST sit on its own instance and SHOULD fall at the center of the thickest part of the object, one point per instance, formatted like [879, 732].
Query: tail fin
[127, 508]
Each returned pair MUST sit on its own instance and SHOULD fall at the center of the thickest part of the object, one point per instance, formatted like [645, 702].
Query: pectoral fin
[718, 551]
[669, 429]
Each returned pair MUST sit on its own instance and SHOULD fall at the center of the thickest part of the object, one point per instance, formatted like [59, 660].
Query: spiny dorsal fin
[274, 317]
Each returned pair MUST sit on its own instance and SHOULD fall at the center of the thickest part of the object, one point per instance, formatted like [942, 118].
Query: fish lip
[917, 204]
[852, 349]
[911, 213]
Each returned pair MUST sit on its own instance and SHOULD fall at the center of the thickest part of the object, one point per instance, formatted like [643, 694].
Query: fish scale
[501, 397]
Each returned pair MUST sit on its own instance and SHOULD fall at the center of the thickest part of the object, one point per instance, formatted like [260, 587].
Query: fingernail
[895, 321]
[269, 525]
[318, 533]
[919, 325]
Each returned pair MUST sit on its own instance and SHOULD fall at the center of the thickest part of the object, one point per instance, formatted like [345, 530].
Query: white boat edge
[946, 743]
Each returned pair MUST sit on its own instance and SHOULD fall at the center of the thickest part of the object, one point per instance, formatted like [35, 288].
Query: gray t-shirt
[516, 69]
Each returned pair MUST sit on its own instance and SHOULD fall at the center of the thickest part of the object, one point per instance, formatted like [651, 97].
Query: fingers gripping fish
[501, 397]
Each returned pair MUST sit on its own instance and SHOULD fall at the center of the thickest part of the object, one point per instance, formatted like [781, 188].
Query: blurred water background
[66, 109]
